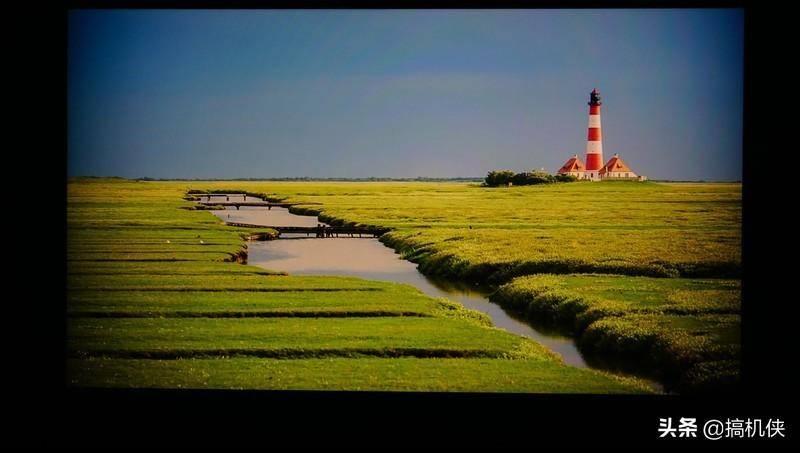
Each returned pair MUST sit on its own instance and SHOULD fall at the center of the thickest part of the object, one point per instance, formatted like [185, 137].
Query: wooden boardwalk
[211, 200]
[320, 232]
[238, 204]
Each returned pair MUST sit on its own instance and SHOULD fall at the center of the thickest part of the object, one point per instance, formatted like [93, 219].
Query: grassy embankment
[685, 331]
[683, 230]
[157, 299]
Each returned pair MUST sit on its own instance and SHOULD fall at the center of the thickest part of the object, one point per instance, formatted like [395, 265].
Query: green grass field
[151, 277]
[633, 238]
[157, 299]
[396, 374]
[289, 337]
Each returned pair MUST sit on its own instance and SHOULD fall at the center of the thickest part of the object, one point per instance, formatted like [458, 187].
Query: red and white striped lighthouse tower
[594, 142]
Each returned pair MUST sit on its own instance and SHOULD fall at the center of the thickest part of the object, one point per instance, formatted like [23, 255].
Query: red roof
[615, 164]
[573, 164]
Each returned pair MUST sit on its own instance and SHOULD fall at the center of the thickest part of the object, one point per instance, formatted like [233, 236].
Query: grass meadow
[643, 274]
[159, 296]
[494, 234]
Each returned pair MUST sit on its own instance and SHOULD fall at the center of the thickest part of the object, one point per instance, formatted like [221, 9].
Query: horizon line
[366, 179]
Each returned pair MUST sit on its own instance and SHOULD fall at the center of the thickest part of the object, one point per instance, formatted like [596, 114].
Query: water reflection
[261, 216]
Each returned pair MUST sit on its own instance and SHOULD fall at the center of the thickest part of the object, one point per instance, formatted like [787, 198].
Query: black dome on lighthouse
[594, 98]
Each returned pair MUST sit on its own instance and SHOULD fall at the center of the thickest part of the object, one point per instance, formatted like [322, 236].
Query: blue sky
[401, 93]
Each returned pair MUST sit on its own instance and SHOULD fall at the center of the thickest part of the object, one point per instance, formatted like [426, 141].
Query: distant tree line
[496, 178]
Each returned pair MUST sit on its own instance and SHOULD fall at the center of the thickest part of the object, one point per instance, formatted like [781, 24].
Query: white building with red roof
[616, 168]
[573, 167]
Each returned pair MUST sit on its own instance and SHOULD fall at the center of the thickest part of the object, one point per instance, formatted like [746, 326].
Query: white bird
[201, 241]
[168, 241]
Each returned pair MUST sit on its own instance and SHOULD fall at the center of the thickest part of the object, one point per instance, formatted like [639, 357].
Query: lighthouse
[594, 141]
[593, 169]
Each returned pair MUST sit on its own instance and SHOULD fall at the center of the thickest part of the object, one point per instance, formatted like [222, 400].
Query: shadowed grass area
[684, 331]
[376, 374]
[691, 353]
[575, 301]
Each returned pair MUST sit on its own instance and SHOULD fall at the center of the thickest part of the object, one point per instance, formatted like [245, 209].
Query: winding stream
[368, 258]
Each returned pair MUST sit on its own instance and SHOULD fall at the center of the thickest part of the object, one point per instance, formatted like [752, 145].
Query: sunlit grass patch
[223, 282]
[390, 300]
[371, 374]
[208, 268]
[291, 337]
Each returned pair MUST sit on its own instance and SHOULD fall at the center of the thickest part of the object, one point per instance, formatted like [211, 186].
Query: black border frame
[53, 414]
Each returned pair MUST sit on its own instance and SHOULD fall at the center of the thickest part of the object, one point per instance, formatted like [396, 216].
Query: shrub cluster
[497, 178]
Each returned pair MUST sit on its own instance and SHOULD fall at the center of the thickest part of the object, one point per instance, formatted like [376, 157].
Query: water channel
[368, 258]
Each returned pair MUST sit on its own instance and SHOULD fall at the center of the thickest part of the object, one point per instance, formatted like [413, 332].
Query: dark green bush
[532, 178]
[564, 178]
[498, 178]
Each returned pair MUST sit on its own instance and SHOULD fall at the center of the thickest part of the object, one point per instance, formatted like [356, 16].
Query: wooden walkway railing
[238, 204]
[326, 231]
